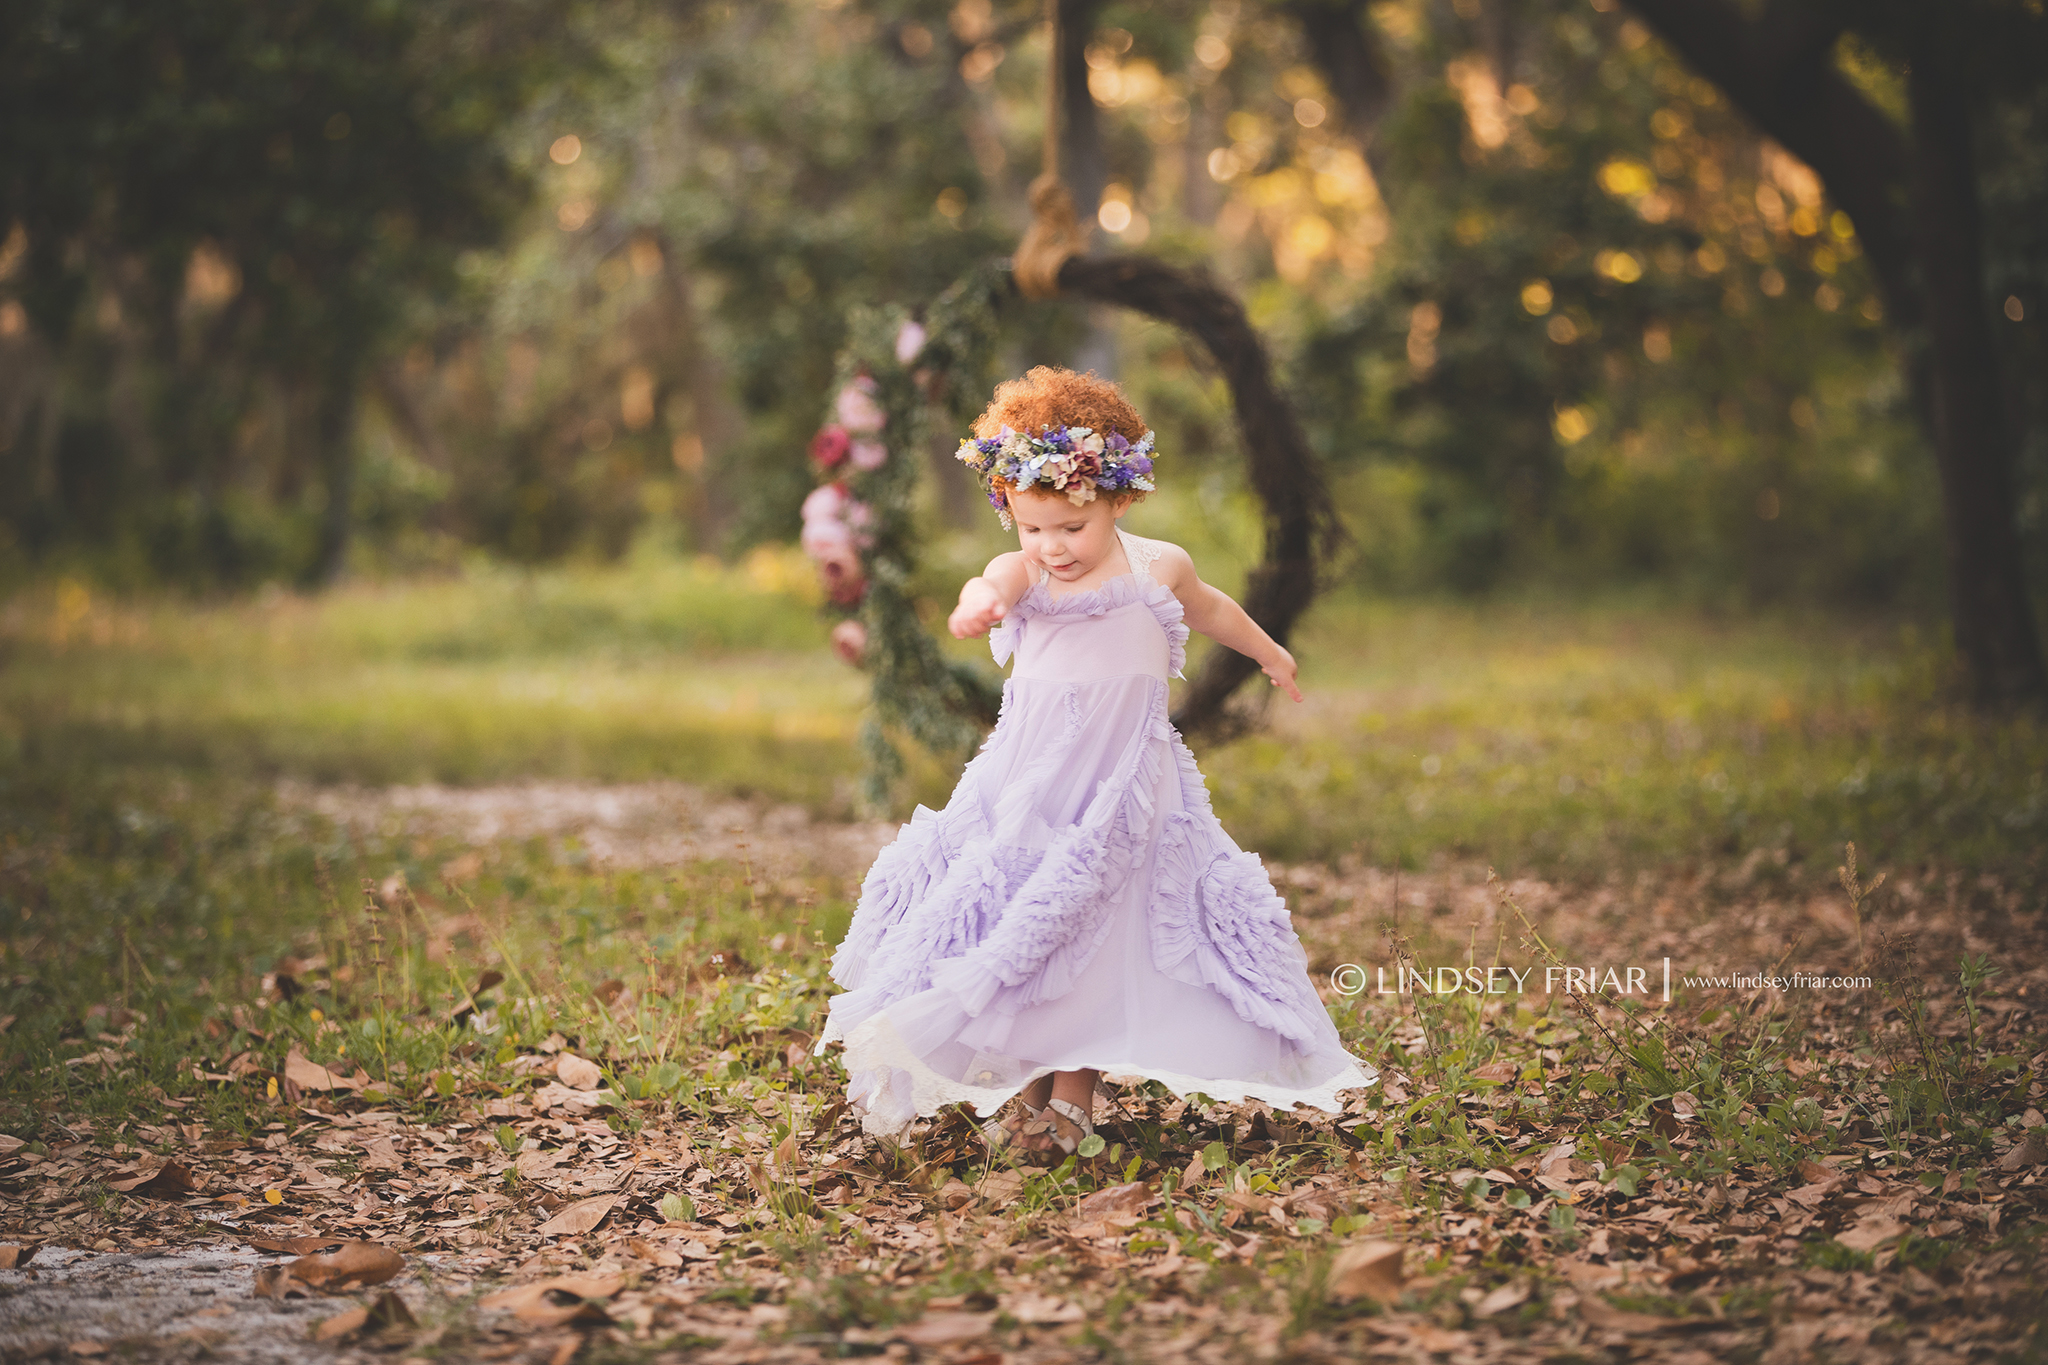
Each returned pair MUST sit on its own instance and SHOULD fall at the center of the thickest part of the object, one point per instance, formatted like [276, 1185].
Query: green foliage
[941, 703]
[576, 278]
[1620, 343]
[218, 214]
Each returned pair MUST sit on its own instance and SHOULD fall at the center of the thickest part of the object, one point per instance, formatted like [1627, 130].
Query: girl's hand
[1281, 669]
[981, 606]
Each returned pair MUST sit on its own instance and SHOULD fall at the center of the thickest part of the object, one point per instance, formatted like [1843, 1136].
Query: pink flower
[825, 503]
[829, 446]
[857, 409]
[844, 582]
[827, 538]
[869, 454]
[909, 341]
[850, 642]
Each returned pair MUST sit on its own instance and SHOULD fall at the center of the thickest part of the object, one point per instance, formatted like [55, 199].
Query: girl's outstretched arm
[988, 598]
[1213, 612]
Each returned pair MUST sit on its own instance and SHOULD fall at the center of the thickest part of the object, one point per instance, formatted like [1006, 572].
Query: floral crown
[1076, 461]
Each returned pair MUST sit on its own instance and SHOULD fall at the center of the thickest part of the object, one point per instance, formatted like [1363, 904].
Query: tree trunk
[1993, 619]
[1083, 165]
[334, 431]
[1916, 215]
[1345, 48]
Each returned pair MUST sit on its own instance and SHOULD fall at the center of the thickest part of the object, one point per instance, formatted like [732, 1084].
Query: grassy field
[1559, 1176]
[1545, 737]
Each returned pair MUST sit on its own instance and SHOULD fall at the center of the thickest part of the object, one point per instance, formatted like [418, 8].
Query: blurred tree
[1914, 195]
[1610, 334]
[215, 204]
[1557, 312]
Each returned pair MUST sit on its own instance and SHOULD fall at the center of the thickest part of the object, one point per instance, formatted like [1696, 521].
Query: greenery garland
[897, 374]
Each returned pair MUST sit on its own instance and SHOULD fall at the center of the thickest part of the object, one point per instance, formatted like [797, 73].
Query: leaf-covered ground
[560, 1063]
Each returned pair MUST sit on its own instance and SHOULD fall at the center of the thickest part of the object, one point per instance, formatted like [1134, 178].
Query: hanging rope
[1056, 233]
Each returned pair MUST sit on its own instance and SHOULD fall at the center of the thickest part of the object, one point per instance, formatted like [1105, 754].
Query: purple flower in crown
[1076, 461]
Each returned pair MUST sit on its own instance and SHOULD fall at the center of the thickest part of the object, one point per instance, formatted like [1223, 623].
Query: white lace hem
[878, 1061]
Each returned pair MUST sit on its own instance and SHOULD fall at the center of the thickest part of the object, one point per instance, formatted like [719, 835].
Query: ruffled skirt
[1076, 905]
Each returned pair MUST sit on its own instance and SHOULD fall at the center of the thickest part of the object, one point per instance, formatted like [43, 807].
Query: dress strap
[1140, 551]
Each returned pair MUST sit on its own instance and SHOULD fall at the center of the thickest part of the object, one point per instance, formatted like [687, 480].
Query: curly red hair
[1050, 396]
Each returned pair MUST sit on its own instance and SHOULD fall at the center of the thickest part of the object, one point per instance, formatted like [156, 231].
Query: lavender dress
[1076, 904]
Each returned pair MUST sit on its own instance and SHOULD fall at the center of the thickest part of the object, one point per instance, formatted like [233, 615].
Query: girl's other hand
[981, 606]
[1281, 669]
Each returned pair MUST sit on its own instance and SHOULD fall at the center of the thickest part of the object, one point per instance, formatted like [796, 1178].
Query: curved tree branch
[1300, 525]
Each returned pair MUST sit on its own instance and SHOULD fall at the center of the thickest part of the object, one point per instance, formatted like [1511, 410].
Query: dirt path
[166, 1304]
[635, 824]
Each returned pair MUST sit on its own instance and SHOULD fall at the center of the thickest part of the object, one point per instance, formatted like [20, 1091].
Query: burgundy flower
[830, 445]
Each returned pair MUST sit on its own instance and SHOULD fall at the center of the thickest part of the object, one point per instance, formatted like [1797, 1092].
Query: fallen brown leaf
[1608, 1318]
[577, 1286]
[2032, 1150]
[578, 1073]
[1118, 1201]
[341, 1325]
[313, 1076]
[946, 1329]
[275, 1282]
[648, 1251]
[355, 1263]
[15, 1257]
[168, 1181]
[1033, 1307]
[1871, 1231]
[1561, 1152]
[389, 1311]
[1367, 1270]
[1502, 1298]
[575, 1219]
[1000, 1187]
[555, 1302]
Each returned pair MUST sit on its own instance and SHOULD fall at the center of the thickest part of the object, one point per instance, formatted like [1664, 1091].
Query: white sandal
[1075, 1115]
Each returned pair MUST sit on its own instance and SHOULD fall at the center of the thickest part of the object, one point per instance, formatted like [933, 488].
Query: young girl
[1076, 908]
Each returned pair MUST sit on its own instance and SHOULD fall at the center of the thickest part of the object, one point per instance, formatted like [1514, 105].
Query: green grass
[662, 669]
[1584, 740]
[152, 889]
[1553, 737]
